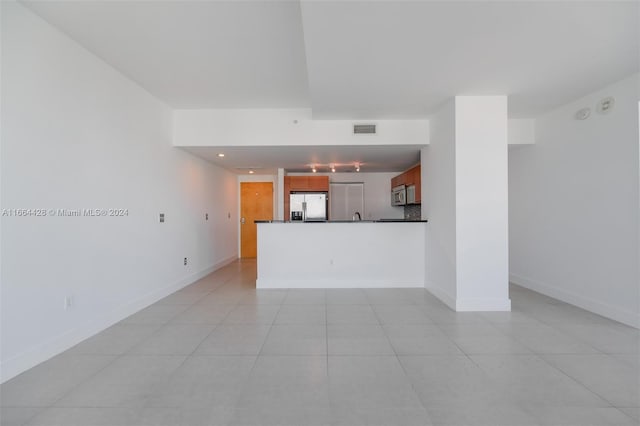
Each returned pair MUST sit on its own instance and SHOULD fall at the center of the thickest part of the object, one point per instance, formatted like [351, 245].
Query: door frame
[253, 178]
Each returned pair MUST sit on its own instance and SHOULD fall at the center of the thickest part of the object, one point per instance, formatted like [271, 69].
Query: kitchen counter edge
[343, 221]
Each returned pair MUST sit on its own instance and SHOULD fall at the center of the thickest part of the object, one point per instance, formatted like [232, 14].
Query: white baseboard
[609, 311]
[275, 283]
[445, 297]
[470, 305]
[483, 305]
[30, 358]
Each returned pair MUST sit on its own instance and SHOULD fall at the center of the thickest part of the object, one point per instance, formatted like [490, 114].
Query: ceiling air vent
[368, 129]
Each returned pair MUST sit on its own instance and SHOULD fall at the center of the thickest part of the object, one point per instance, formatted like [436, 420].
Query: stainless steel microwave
[399, 195]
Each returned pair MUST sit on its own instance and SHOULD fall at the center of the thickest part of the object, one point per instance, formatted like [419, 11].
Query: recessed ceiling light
[357, 167]
[220, 155]
[333, 167]
[313, 169]
[250, 172]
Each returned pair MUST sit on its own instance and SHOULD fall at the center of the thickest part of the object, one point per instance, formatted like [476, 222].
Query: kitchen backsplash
[412, 212]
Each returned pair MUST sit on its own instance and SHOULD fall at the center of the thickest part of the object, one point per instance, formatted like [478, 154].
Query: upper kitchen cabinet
[398, 180]
[306, 183]
[411, 177]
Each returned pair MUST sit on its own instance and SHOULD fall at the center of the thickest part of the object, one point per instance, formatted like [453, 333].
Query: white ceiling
[403, 58]
[265, 160]
[366, 59]
[354, 59]
[194, 54]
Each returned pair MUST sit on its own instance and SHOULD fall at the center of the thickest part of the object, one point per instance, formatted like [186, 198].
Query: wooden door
[256, 203]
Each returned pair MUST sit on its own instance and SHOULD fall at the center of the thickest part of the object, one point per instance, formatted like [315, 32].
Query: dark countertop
[344, 221]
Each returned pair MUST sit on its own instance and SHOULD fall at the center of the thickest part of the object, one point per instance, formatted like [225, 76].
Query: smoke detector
[605, 105]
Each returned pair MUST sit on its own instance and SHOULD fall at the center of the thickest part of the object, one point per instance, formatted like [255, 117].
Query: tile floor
[220, 352]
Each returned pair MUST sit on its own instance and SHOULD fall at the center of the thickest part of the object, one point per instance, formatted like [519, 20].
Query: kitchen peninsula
[341, 254]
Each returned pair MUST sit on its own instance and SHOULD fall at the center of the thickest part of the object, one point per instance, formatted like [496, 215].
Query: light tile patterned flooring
[220, 352]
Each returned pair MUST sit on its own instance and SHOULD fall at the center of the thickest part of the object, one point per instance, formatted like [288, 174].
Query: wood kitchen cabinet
[318, 183]
[408, 178]
[303, 183]
[306, 183]
[398, 180]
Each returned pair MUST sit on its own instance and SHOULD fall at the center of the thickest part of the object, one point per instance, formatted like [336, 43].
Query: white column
[466, 201]
[482, 219]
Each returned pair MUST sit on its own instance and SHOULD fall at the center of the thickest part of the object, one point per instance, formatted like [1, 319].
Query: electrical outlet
[68, 302]
[185, 261]
[161, 217]
[206, 216]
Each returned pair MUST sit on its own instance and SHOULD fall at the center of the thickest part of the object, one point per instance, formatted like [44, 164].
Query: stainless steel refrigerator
[313, 205]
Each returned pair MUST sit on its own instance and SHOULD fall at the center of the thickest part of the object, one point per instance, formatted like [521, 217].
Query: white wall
[377, 192]
[522, 131]
[340, 255]
[439, 205]
[574, 206]
[278, 127]
[280, 195]
[77, 134]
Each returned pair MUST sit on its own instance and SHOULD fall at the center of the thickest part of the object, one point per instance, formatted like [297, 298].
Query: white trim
[613, 312]
[444, 297]
[470, 305]
[275, 283]
[54, 346]
[483, 305]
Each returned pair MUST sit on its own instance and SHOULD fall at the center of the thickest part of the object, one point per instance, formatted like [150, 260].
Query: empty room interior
[306, 212]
